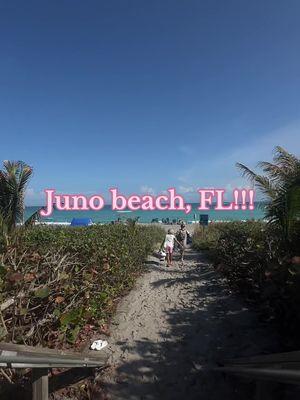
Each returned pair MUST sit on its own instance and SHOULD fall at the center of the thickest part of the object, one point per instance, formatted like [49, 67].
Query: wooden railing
[277, 367]
[40, 360]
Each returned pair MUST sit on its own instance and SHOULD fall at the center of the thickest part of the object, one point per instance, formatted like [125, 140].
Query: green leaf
[56, 312]
[72, 334]
[42, 293]
[72, 316]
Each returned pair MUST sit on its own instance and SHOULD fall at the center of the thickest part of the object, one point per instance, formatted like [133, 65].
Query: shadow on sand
[207, 325]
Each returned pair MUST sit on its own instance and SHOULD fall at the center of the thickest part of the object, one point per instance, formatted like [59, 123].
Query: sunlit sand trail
[173, 327]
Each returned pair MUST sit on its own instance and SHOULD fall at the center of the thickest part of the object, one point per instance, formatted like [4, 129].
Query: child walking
[168, 245]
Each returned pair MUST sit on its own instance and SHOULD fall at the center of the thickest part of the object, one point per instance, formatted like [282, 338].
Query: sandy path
[172, 327]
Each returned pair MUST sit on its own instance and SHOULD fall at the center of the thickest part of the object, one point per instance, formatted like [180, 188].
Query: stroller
[162, 255]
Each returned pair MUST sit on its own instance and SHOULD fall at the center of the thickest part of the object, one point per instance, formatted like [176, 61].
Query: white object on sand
[99, 344]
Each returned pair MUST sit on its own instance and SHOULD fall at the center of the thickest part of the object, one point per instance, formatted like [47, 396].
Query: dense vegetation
[58, 284]
[257, 265]
[279, 184]
[262, 259]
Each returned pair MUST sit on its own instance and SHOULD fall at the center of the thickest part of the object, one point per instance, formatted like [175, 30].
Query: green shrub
[257, 263]
[205, 238]
[64, 279]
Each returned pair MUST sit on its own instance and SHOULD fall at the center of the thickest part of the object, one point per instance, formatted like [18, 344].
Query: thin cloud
[222, 170]
[147, 190]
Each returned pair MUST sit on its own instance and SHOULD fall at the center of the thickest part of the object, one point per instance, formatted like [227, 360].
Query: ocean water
[107, 215]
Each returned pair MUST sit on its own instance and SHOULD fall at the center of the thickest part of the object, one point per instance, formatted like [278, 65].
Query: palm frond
[13, 182]
[273, 170]
[246, 172]
[285, 159]
[263, 183]
[33, 218]
[280, 184]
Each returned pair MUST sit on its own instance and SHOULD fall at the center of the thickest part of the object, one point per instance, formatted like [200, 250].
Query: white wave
[53, 223]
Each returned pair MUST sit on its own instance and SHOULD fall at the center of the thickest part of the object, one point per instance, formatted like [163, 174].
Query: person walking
[182, 237]
[168, 246]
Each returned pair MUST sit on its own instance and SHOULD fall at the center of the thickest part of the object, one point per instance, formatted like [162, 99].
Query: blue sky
[145, 95]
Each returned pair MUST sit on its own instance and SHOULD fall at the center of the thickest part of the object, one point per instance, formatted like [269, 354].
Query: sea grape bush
[61, 282]
[260, 265]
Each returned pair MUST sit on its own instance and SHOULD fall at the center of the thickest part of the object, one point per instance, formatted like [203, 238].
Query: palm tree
[13, 182]
[280, 185]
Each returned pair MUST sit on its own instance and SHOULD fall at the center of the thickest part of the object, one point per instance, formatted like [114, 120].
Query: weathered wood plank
[276, 358]
[40, 386]
[52, 353]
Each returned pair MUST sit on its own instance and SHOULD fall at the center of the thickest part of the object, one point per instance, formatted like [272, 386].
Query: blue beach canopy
[81, 222]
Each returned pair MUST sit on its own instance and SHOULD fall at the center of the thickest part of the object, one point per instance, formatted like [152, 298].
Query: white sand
[175, 325]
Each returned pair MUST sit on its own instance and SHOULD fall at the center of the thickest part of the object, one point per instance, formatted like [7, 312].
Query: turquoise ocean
[107, 215]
